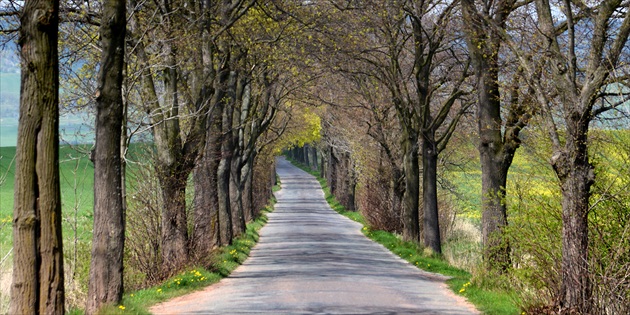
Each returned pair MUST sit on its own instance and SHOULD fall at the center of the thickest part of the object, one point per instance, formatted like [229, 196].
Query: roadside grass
[491, 301]
[225, 260]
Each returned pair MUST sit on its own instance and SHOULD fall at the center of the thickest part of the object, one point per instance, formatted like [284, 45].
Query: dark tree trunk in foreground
[106, 266]
[38, 282]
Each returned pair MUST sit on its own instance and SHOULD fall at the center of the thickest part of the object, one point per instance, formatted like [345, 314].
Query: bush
[535, 216]
[377, 203]
[142, 243]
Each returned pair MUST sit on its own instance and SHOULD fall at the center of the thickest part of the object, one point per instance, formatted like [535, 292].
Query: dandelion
[159, 290]
[131, 294]
[122, 307]
[462, 290]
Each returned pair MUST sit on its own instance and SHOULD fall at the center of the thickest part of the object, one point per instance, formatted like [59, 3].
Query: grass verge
[488, 301]
[224, 262]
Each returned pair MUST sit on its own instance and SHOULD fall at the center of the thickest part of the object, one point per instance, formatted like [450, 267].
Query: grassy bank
[488, 301]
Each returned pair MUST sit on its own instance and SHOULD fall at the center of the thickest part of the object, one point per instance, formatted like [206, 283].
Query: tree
[582, 44]
[410, 52]
[177, 123]
[38, 281]
[106, 267]
[498, 138]
[435, 63]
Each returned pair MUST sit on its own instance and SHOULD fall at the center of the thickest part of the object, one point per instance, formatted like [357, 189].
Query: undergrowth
[224, 261]
[489, 300]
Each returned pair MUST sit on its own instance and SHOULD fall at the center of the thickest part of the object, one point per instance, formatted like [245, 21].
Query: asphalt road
[311, 260]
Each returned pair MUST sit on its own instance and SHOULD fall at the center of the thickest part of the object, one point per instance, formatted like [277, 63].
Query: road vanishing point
[312, 260]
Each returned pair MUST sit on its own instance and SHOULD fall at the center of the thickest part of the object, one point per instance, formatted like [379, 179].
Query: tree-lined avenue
[311, 260]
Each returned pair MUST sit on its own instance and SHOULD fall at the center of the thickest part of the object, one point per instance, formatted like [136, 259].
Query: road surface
[311, 260]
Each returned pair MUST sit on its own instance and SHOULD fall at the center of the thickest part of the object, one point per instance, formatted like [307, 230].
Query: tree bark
[496, 149]
[494, 166]
[397, 188]
[236, 202]
[205, 233]
[576, 176]
[38, 281]
[106, 267]
[226, 217]
[174, 222]
[247, 197]
[429, 193]
[333, 165]
[174, 166]
[314, 164]
[207, 225]
[411, 224]
[305, 150]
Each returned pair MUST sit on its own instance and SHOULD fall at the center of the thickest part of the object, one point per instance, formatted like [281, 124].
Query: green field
[77, 181]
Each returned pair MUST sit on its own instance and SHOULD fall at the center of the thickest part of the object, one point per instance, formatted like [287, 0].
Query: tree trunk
[38, 282]
[223, 173]
[247, 198]
[429, 193]
[411, 224]
[305, 151]
[236, 201]
[273, 176]
[174, 222]
[494, 166]
[397, 192]
[576, 177]
[106, 267]
[495, 163]
[349, 183]
[205, 233]
[173, 169]
[496, 151]
[323, 163]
